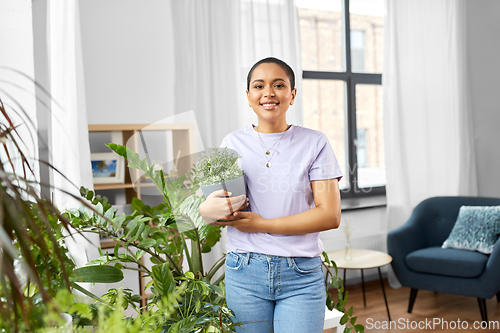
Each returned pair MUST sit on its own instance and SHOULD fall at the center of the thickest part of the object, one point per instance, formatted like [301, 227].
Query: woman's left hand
[247, 222]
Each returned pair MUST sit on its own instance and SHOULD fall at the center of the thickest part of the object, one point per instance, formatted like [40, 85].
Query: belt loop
[290, 263]
[246, 259]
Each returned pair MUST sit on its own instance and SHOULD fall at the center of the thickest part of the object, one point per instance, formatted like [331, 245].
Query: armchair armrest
[490, 280]
[407, 238]
[403, 240]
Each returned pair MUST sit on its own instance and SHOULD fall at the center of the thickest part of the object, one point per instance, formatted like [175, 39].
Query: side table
[362, 259]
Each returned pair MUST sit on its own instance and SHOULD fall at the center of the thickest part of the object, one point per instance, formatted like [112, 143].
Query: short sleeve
[325, 164]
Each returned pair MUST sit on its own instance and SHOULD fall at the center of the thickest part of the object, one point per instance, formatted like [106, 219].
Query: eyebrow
[260, 80]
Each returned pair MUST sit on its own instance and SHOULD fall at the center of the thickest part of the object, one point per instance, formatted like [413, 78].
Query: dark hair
[288, 70]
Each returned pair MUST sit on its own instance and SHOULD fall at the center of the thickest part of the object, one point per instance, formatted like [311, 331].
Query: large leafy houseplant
[168, 234]
[35, 267]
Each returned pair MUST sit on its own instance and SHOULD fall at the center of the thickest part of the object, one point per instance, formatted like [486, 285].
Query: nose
[269, 91]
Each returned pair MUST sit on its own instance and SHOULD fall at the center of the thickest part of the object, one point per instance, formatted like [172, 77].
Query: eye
[258, 86]
[280, 85]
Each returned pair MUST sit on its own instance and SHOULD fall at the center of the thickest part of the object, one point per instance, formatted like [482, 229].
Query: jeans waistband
[246, 257]
[265, 256]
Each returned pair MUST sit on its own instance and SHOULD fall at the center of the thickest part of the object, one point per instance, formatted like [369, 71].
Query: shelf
[118, 186]
[180, 143]
[146, 185]
[112, 186]
[137, 127]
[107, 244]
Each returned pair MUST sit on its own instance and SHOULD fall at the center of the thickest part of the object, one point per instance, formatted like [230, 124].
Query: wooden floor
[429, 306]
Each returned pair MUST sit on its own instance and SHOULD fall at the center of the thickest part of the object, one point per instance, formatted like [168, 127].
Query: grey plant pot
[236, 186]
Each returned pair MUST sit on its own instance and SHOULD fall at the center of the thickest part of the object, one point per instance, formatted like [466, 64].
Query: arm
[325, 216]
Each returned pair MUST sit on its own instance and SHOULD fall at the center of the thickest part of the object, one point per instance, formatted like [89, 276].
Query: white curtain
[69, 143]
[17, 89]
[216, 43]
[428, 126]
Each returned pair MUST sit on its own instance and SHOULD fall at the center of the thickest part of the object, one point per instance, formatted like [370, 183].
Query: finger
[235, 203]
[239, 205]
[225, 223]
[238, 200]
[219, 193]
[223, 220]
[229, 217]
[229, 205]
[242, 215]
[245, 205]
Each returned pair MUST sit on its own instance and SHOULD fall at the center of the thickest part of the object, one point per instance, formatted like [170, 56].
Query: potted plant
[170, 233]
[218, 170]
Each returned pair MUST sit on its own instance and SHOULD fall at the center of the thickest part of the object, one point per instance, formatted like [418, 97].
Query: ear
[294, 93]
[248, 97]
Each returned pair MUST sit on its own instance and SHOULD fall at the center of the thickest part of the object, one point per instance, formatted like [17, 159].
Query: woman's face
[270, 93]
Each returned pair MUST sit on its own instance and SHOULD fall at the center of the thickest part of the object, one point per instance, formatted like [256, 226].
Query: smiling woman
[270, 91]
[273, 267]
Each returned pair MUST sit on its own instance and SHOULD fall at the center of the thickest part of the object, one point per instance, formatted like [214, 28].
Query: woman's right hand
[220, 206]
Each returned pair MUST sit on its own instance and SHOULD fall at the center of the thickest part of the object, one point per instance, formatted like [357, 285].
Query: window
[342, 61]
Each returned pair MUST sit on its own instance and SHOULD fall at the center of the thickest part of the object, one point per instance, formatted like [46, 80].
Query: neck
[272, 128]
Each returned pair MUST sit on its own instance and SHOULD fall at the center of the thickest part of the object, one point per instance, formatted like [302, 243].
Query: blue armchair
[419, 262]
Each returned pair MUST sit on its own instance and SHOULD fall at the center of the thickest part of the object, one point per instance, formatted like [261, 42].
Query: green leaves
[123, 151]
[359, 328]
[162, 232]
[164, 282]
[148, 242]
[97, 274]
[341, 299]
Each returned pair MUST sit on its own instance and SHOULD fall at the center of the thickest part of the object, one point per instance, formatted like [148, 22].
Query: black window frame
[351, 79]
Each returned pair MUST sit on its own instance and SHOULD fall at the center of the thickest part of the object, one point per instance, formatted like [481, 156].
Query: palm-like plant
[25, 220]
[34, 261]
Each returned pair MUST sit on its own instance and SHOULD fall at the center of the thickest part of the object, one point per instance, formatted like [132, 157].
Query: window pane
[321, 35]
[370, 136]
[324, 111]
[367, 35]
[358, 51]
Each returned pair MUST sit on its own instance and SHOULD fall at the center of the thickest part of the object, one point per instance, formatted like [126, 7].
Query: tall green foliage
[348, 319]
[170, 233]
[35, 265]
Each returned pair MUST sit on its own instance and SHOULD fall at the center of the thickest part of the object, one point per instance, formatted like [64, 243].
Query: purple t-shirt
[284, 189]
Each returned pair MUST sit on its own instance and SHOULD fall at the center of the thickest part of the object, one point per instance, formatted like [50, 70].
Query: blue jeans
[275, 294]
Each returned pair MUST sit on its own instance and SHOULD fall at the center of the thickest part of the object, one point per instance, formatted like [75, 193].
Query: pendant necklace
[267, 152]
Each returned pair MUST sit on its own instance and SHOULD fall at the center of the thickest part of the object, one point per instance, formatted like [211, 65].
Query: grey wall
[483, 49]
[128, 60]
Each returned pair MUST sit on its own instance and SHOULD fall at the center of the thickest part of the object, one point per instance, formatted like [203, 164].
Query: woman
[273, 277]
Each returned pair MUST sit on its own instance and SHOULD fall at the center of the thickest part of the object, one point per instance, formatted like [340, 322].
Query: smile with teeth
[269, 106]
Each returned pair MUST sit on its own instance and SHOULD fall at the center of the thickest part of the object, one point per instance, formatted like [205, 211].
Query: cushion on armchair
[448, 262]
[477, 229]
